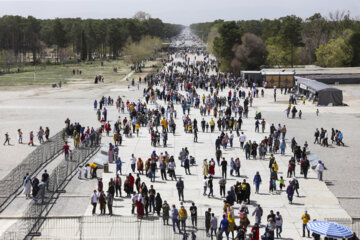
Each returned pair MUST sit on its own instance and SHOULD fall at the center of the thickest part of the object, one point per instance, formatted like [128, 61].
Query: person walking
[20, 138]
[320, 169]
[224, 227]
[93, 201]
[257, 182]
[175, 218]
[109, 201]
[305, 219]
[211, 187]
[222, 184]
[208, 222]
[290, 192]
[258, 212]
[305, 165]
[278, 224]
[223, 167]
[282, 147]
[133, 162]
[7, 139]
[166, 211]
[180, 189]
[213, 225]
[27, 186]
[183, 217]
[193, 212]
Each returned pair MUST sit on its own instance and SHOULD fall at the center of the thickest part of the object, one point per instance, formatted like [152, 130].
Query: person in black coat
[158, 203]
[35, 186]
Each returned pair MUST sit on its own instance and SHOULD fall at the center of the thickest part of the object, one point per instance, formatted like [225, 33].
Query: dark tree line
[286, 41]
[85, 39]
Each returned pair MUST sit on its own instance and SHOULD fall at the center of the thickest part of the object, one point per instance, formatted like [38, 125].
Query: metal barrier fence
[117, 227]
[36, 213]
[13, 181]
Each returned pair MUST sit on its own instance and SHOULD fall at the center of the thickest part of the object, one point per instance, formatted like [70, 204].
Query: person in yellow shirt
[166, 125]
[231, 220]
[212, 125]
[137, 127]
[305, 218]
[183, 217]
[275, 166]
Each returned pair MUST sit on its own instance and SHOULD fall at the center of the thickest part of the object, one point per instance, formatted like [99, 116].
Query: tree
[354, 42]
[290, 35]
[83, 53]
[211, 37]
[251, 54]
[230, 35]
[59, 36]
[136, 52]
[336, 53]
[315, 31]
[142, 16]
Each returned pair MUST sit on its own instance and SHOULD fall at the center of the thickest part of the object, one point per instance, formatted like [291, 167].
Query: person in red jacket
[255, 232]
[132, 181]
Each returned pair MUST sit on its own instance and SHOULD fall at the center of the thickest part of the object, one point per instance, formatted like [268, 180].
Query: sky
[182, 12]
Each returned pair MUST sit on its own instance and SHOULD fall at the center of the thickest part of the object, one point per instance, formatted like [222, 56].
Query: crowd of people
[178, 85]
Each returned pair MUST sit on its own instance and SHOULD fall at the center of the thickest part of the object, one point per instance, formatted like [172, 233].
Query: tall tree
[230, 35]
[354, 42]
[84, 51]
[290, 35]
[251, 54]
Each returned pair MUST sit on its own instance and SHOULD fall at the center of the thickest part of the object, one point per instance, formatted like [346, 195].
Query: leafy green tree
[335, 53]
[230, 35]
[290, 35]
[354, 42]
[83, 53]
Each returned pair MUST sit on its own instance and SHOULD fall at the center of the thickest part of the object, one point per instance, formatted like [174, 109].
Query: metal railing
[115, 227]
[37, 211]
[13, 181]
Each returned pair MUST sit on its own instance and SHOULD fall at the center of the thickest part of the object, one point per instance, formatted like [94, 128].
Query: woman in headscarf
[110, 153]
[140, 206]
[212, 168]
[158, 204]
[35, 186]
[100, 185]
[102, 201]
[205, 168]
[140, 166]
[27, 186]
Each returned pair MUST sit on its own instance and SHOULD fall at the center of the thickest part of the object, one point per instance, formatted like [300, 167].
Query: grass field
[47, 75]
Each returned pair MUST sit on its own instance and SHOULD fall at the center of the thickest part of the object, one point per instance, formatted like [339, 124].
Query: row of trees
[327, 41]
[81, 38]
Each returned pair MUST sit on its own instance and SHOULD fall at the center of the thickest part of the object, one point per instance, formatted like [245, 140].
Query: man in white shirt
[231, 138]
[242, 139]
[94, 200]
[205, 184]
[320, 169]
[133, 201]
[133, 162]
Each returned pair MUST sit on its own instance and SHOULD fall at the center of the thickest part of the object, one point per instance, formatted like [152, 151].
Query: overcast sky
[177, 11]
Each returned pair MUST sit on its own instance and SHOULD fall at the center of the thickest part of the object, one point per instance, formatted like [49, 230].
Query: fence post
[81, 228]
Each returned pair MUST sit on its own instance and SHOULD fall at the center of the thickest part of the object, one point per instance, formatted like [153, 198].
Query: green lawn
[54, 73]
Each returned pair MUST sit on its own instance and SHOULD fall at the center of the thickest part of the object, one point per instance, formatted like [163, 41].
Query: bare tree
[142, 16]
